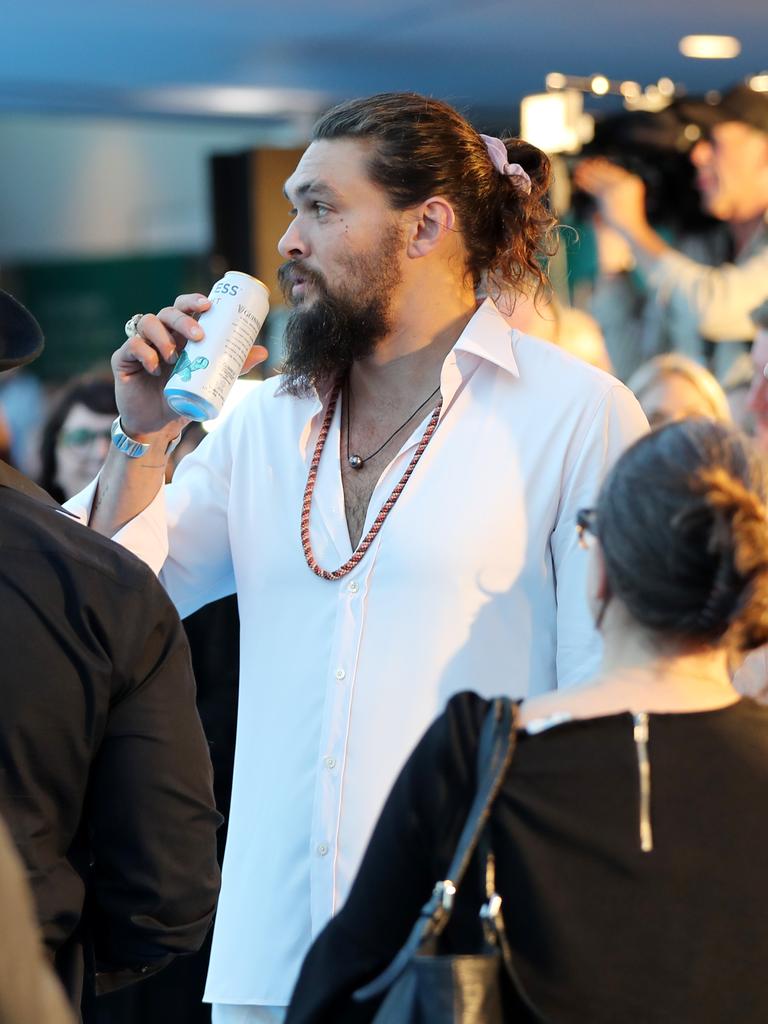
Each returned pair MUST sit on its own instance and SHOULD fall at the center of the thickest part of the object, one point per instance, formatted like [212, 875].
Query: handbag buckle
[490, 910]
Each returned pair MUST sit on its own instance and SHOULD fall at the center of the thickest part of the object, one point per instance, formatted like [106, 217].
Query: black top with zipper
[630, 860]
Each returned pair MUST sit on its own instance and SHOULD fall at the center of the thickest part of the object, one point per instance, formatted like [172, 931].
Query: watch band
[134, 449]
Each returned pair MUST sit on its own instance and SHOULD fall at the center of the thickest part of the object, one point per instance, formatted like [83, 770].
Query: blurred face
[673, 397]
[81, 448]
[758, 392]
[732, 171]
[344, 252]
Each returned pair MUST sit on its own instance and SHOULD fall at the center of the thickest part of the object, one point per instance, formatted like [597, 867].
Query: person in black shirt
[629, 832]
[105, 778]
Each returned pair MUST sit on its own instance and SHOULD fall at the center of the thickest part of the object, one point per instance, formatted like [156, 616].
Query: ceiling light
[630, 90]
[229, 101]
[710, 47]
[599, 85]
[555, 121]
[556, 80]
[759, 82]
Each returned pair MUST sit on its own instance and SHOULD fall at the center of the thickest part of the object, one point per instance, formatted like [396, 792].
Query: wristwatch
[134, 449]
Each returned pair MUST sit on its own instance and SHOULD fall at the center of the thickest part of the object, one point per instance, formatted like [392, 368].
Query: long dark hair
[423, 147]
[683, 525]
[96, 391]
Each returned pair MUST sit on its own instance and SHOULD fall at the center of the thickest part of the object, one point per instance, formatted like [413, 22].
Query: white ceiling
[165, 56]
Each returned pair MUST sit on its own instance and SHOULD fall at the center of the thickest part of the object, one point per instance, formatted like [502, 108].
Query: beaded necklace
[386, 508]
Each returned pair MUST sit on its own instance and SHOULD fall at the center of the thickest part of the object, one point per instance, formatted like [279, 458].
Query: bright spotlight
[710, 47]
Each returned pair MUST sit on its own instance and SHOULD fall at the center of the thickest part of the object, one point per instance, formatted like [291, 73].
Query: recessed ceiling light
[228, 100]
[556, 80]
[759, 82]
[630, 90]
[599, 85]
[710, 47]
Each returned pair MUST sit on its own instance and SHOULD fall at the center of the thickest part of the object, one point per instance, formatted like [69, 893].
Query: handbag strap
[497, 743]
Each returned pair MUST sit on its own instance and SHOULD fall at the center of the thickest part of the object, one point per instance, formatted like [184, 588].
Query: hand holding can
[206, 370]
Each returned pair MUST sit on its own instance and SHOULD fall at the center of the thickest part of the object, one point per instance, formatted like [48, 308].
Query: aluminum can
[206, 370]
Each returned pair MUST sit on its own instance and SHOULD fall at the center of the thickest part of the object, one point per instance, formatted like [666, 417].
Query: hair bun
[738, 538]
[691, 560]
[534, 162]
[745, 515]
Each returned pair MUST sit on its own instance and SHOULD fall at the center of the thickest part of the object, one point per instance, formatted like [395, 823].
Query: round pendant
[355, 462]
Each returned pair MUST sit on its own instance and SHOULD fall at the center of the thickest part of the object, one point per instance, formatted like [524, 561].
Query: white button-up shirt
[475, 581]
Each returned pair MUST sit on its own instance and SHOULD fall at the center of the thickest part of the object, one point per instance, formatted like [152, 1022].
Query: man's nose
[292, 246]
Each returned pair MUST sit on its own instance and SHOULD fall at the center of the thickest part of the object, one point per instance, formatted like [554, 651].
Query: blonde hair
[672, 363]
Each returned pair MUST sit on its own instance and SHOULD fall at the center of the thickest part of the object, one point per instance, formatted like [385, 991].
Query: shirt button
[354, 586]
[340, 673]
[330, 763]
[322, 849]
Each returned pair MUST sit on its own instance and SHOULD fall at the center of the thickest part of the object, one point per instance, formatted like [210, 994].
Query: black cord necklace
[358, 461]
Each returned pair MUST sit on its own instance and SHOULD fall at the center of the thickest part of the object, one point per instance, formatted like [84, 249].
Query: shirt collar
[489, 336]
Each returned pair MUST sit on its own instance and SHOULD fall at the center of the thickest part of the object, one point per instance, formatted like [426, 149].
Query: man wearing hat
[105, 780]
[730, 156]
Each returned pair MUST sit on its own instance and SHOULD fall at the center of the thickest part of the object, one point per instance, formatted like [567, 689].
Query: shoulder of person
[36, 530]
[265, 401]
[455, 734]
[555, 365]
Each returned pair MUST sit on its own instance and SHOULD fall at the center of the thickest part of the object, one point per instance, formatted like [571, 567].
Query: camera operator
[731, 167]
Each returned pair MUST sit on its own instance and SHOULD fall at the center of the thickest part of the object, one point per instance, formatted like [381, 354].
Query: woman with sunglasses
[630, 833]
[76, 438]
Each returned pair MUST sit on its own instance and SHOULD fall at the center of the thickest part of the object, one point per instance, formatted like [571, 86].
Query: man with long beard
[396, 511]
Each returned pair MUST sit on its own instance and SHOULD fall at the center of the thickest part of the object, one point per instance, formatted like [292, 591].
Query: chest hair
[358, 487]
[359, 484]
[368, 433]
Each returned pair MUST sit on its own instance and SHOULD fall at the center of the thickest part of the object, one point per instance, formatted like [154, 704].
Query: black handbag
[422, 985]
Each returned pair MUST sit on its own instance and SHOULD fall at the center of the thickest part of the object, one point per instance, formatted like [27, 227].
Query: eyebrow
[315, 188]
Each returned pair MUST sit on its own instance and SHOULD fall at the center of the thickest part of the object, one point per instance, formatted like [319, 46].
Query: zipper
[644, 777]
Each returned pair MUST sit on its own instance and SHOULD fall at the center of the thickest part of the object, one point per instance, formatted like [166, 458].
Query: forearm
[126, 486]
[718, 298]
[646, 244]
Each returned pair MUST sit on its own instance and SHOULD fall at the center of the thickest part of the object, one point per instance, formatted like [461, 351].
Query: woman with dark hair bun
[629, 833]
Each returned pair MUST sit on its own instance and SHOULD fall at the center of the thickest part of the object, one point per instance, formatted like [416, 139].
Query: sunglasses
[81, 436]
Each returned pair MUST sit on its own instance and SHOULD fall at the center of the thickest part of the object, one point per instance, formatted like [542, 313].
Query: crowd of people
[430, 519]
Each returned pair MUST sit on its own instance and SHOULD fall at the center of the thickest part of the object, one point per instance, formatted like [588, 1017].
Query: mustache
[294, 270]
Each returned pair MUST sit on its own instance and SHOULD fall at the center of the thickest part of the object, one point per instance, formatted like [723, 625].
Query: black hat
[21, 338]
[741, 103]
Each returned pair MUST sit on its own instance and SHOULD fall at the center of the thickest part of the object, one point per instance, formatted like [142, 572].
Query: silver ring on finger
[176, 320]
[132, 325]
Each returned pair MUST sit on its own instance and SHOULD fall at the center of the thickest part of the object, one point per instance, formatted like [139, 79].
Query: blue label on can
[185, 367]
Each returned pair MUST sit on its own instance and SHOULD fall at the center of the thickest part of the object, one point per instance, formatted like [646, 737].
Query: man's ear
[434, 220]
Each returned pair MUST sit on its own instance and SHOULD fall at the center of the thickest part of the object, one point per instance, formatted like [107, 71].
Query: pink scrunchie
[497, 151]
